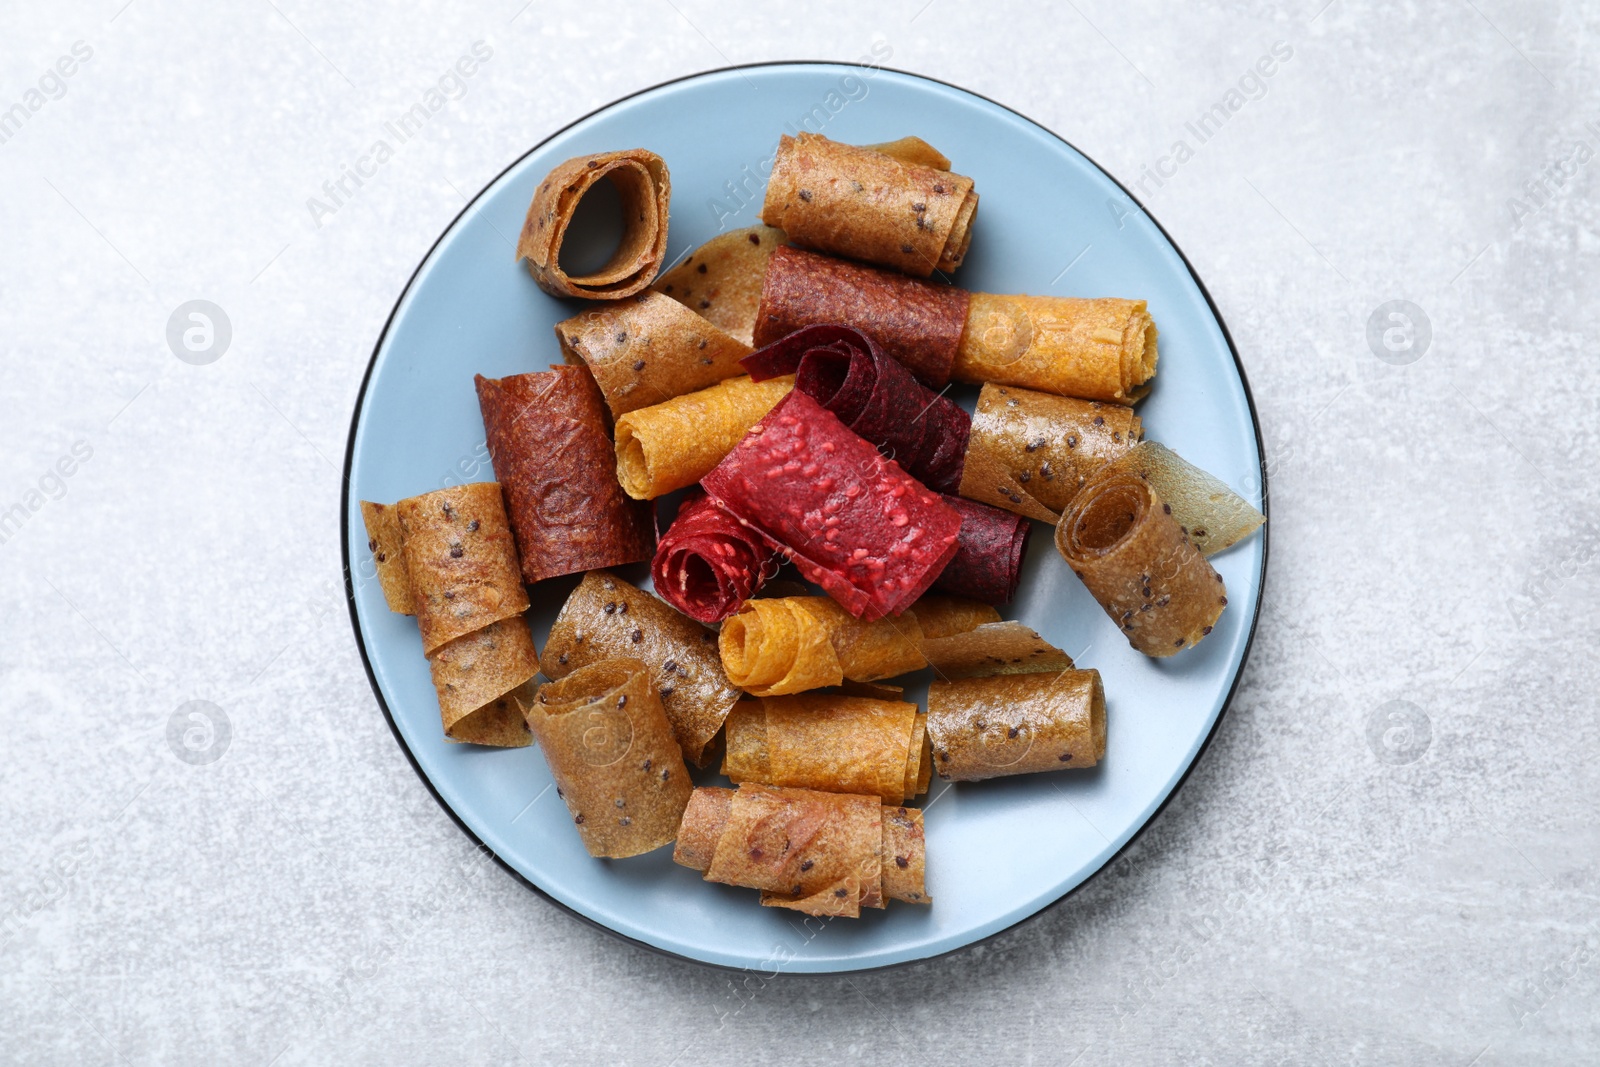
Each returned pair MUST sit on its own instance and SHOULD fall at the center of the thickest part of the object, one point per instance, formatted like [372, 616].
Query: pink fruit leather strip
[846, 372]
[872, 536]
[707, 564]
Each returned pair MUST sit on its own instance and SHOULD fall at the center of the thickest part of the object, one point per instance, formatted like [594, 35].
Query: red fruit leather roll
[854, 522]
[916, 322]
[707, 564]
[552, 456]
[988, 562]
[846, 372]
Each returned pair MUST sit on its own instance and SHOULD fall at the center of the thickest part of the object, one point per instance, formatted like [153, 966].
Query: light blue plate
[1050, 222]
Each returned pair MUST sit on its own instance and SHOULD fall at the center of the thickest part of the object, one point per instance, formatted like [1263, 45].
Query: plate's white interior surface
[1049, 222]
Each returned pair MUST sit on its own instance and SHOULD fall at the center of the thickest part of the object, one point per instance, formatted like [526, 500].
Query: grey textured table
[1389, 853]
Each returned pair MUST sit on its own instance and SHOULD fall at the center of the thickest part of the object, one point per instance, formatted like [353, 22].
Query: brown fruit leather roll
[1100, 349]
[839, 744]
[1016, 723]
[386, 544]
[480, 678]
[1122, 541]
[917, 323]
[613, 756]
[1031, 452]
[648, 349]
[869, 205]
[900, 857]
[448, 558]
[606, 617]
[721, 280]
[644, 187]
[461, 561]
[547, 439]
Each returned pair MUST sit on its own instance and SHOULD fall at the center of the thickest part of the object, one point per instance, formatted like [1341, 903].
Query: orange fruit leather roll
[641, 180]
[1004, 724]
[785, 645]
[448, 558]
[1123, 542]
[606, 617]
[881, 204]
[674, 444]
[817, 853]
[613, 756]
[1095, 349]
[840, 744]
[648, 349]
[1030, 452]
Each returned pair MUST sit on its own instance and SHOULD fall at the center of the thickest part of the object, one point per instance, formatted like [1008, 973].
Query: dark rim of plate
[366, 661]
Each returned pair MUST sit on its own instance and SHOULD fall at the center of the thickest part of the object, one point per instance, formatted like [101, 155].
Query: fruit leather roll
[448, 558]
[1121, 539]
[818, 853]
[841, 744]
[1002, 724]
[917, 323]
[644, 186]
[721, 280]
[461, 560]
[1095, 349]
[987, 565]
[707, 565]
[1212, 515]
[846, 372]
[613, 756]
[854, 522]
[790, 644]
[547, 439]
[867, 204]
[1030, 452]
[605, 617]
[676, 443]
[648, 349]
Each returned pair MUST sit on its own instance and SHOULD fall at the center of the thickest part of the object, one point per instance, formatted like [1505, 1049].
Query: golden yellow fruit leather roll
[1094, 349]
[868, 204]
[648, 349]
[1122, 541]
[448, 558]
[1006, 724]
[825, 854]
[606, 617]
[840, 744]
[641, 180]
[1030, 452]
[613, 756]
[674, 444]
[785, 645]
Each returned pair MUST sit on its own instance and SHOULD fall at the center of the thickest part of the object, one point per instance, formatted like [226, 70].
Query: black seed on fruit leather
[805, 194]
[472, 527]
[638, 364]
[610, 608]
[701, 268]
[622, 701]
[806, 865]
[456, 551]
[1065, 756]
[902, 862]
